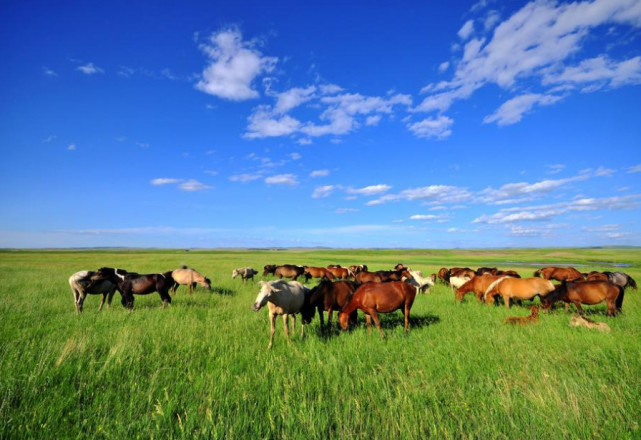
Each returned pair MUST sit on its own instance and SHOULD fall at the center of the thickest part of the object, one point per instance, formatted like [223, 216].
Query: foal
[523, 320]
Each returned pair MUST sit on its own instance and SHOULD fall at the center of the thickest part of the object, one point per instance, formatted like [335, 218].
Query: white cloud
[438, 127]
[52, 137]
[511, 111]
[295, 156]
[47, 71]
[635, 169]
[429, 218]
[192, 185]
[601, 71]
[282, 179]
[292, 98]
[345, 210]
[555, 168]
[319, 173]
[234, 64]
[437, 194]
[71, 147]
[466, 30]
[262, 123]
[373, 120]
[523, 191]
[90, 69]
[321, 192]
[246, 177]
[165, 181]
[443, 66]
[369, 190]
[211, 172]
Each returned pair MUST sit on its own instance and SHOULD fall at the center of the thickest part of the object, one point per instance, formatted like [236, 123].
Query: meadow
[201, 369]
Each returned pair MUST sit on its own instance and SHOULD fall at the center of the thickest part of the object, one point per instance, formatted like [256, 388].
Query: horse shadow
[387, 322]
[222, 291]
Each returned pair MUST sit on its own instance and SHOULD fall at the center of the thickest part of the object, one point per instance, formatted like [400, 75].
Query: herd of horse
[347, 290]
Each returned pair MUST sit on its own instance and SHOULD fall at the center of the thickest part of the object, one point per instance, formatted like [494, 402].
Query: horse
[356, 268]
[442, 274]
[400, 266]
[509, 273]
[286, 299]
[518, 288]
[132, 283]
[559, 273]
[523, 320]
[619, 278]
[81, 285]
[189, 277]
[590, 293]
[330, 296]
[482, 270]
[287, 271]
[478, 285]
[374, 298]
[246, 273]
[417, 280]
[368, 277]
[269, 269]
[317, 272]
[340, 272]
[582, 321]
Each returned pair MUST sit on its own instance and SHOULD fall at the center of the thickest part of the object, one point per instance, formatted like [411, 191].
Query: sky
[286, 124]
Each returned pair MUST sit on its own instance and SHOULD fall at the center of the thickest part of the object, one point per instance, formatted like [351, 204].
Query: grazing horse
[133, 283]
[285, 270]
[269, 269]
[518, 288]
[190, 278]
[246, 273]
[286, 299]
[374, 298]
[482, 270]
[317, 272]
[559, 273]
[478, 285]
[400, 266]
[356, 268]
[81, 285]
[417, 279]
[442, 274]
[523, 320]
[330, 296]
[340, 272]
[590, 293]
[621, 279]
[508, 273]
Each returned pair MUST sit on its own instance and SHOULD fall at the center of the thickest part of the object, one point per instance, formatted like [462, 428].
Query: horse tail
[493, 286]
[619, 300]
[631, 282]
[537, 273]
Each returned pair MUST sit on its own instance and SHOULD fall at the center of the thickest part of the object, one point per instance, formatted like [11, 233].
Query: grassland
[201, 368]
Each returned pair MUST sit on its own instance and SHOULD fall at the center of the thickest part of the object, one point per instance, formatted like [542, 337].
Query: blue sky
[260, 124]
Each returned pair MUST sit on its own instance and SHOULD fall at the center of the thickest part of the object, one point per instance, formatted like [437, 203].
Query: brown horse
[317, 272]
[508, 273]
[368, 277]
[523, 320]
[330, 296]
[133, 283]
[400, 266]
[621, 279]
[518, 288]
[285, 270]
[559, 273]
[590, 293]
[482, 270]
[339, 272]
[356, 268]
[478, 285]
[374, 298]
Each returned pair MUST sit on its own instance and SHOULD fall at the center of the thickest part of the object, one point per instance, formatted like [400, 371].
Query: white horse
[81, 285]
[419, 281]
[245, 273]
[283, 298]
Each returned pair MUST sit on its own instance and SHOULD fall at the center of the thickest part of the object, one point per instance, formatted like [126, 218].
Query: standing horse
[133, 283]
[330, 296]
[518, 288]
[285, 270]
[417, 279]
[317, 272]
[590, 293]
[478, 285]
[286, 299]
[189, 277]
[374, 298]
[340, 272]
[368, 277]
[81, 285]
[559, 273]
[246, 273]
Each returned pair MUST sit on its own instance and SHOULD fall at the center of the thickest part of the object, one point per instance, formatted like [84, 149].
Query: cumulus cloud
[369, 190]
[89, 69]
[282, 179]
[437, 128]
[234, 64]
[165, 181]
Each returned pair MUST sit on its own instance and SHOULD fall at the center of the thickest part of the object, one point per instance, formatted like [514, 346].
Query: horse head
[234, 274]
[308, 310]
[266, 289]
[207, 284]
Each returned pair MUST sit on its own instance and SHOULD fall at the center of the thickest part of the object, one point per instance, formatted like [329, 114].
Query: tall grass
[201, 367]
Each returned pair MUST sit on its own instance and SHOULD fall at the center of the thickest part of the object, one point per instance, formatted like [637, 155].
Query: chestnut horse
[442, 274]
[518, 288]
[368, 277]
[317, 272]
[339, 272]
[478, 285]
[523, 320]
[374, 298]
[590, 293]
[559, 273]
[285, 270]
[330, 296]
[133, 283]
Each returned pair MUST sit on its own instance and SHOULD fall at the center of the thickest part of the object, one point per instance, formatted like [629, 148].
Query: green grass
[201, 367]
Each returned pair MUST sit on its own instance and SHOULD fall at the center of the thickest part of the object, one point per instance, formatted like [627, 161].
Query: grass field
[201, 368]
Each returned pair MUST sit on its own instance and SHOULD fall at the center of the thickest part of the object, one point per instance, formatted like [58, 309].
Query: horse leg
[619, 300]
[272, 329]
[407, 317]
[102, 300]
[81, 301]
[368, 321]
[322, 320]
[76, 298]
[506, 300]
[292, 318]
[377, 322]
[579, 309]
[286, 327]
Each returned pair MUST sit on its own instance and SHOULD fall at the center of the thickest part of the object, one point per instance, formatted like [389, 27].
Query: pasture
[200, 368]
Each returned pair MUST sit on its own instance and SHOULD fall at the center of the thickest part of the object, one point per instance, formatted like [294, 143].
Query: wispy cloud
[370, 190]
[245, 177]
[90, 69]
[282, 179]
[192, 185]
[164, 181]
[319, 173]
[71, 147]
[49, 72]
[321, 192]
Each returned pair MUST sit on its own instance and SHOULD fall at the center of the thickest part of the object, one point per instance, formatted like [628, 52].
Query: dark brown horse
[330, 296]
[400, 266]
[509, 273]
[559, 273]
[133, 283]
[482, 270]
[588, 292]
[317, 272]
[374, 298]
[285, 270]
[442, 274]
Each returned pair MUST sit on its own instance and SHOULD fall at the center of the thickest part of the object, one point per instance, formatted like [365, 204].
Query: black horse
[132, 283]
